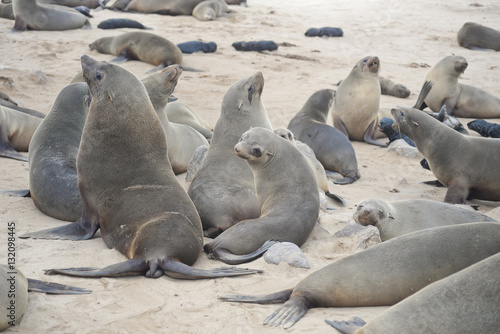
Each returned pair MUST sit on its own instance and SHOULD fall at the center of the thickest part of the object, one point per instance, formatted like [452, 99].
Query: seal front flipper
[132, 267]
[79, 230]
[16, 193]
[19, 25]
[458, 191]
[369, 135]
[288, 314]
[337, 197]
[176, 269]
[273, 298]
[347, 327]
[35, 285]
[345, 180]
[225, 256]
[7, 151]
[426, 88]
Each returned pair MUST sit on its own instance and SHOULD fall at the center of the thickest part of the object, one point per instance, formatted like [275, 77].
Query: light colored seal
[389, 87]
[128, 187]
[140, 45]
[29, 14]
[356, 104]
[182, 139]
[464, 164]
[386, 273]
[181, 113]
[209, 10]
[288, 199]
[396, 218]
[476, 36]
[465, 302]
[223, 189]
[460, 100]
[53, 151]
[166, 7]
[331, 147]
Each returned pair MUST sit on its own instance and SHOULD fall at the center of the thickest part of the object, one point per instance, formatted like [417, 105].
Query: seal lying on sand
[384, 274]
[209, 10]
[166, 7]
[476, 36]
[288, 199]
[484, 128]
[127, 186]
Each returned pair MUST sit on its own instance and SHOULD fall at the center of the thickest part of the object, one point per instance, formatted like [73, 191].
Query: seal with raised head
[128, 186]
[223, 189]
[166, 7]
[288, 198]
[53, 151]
[331, 147]
[356, 104]
[396, 218]
[32, 15]
[460, 100]
[140, 45]
[209, 10]
[476, 36]
[465, 302]
[464, 164]
[384, 274]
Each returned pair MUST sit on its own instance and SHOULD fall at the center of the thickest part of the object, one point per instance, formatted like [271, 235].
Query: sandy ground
[406, 35]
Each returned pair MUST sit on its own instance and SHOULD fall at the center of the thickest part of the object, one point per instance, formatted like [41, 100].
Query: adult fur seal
[389, 87]
[464, 164]
[396, 218]
[140, 45]
[30, 14]
[356, 104]
[331, 147]
[209, 10]
[6, 11]
[465, 302]
[127, 186]
[166, 7]
[460, 100]
[288, 198]
[223, 190]
[386, 273]
[476, 36]
[53, 151]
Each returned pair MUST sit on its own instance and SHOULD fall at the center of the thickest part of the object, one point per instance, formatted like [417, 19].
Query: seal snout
[257, 83]
[373, 64]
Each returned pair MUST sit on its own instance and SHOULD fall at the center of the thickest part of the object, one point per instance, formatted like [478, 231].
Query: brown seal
[389, 87]
[396, 218]
[181, 113]
[127, 185]
[140, 45]
[331, 147]
[288, 199]
[464, 164]
[223, 189]
[386, 273]
[476, 36]
[167, 7]
[460, 100]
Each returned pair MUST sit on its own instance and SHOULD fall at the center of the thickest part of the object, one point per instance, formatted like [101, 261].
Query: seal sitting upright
[127, 185]
[288, 198]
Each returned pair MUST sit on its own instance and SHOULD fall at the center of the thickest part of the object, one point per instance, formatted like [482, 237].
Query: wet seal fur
[288, 198]
[127, 186]
[464, 164]
[476, 36]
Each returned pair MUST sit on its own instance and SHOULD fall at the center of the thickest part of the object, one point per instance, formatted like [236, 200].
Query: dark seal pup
[484, 128]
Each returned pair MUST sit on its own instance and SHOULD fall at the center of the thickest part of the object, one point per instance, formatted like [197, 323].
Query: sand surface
[408, 36]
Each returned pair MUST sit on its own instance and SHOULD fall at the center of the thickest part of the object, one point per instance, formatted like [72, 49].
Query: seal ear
[414, 123]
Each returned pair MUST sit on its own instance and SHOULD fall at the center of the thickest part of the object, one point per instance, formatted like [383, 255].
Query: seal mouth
[373, 64]
[461, 66]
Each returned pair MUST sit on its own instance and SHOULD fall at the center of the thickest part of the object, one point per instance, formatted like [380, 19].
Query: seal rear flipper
[16, 193]
[79, 230]
[347, 327]
[176, 269]
[133, 267]
[345, 180]
[13, 154]
[227, 257]
[337, 197]
[426, 88]
[35, 285]
[273, 298]
[288, 314]
[434, 183]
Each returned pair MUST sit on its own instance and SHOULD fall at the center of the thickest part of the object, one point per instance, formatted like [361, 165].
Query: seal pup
[484, 128]
[165, 7]
[182, 139]
[209, 10]
[223, 189]
[464, 164]
[53, 151]
[288, 198]
[396, 218]
[181, 113]
[460, 100]
[331, 147]
[386, 126]
[120, 23]
[32, 15]
[356, 103]
[139, 45]
[384, 274]
[128, 186]
[465, 302]
[475, 36]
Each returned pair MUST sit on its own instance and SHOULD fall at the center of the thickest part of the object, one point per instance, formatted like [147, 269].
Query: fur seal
[209, 10]
[464, 164]
[389, 87]
[356, 103]
[6, 11]
[9, 105]
[331, 147]
[53, 151]
[476, 36]
[223, 189]
[288, 198]
[182, 139]
[165, 7]
[460, 100]
[386, 273]
[386, 126]
[32, 15]
[120, 23]
[396, 218]
[127, 186]
[140, 45]
[465, 302]
[181, 113]
[195, 46]
[484, 128]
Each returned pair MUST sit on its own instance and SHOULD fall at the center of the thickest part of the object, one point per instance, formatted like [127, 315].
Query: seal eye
[98, 76]
[250, 89]
[365, 60]
[283, 135]
[256, 152]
